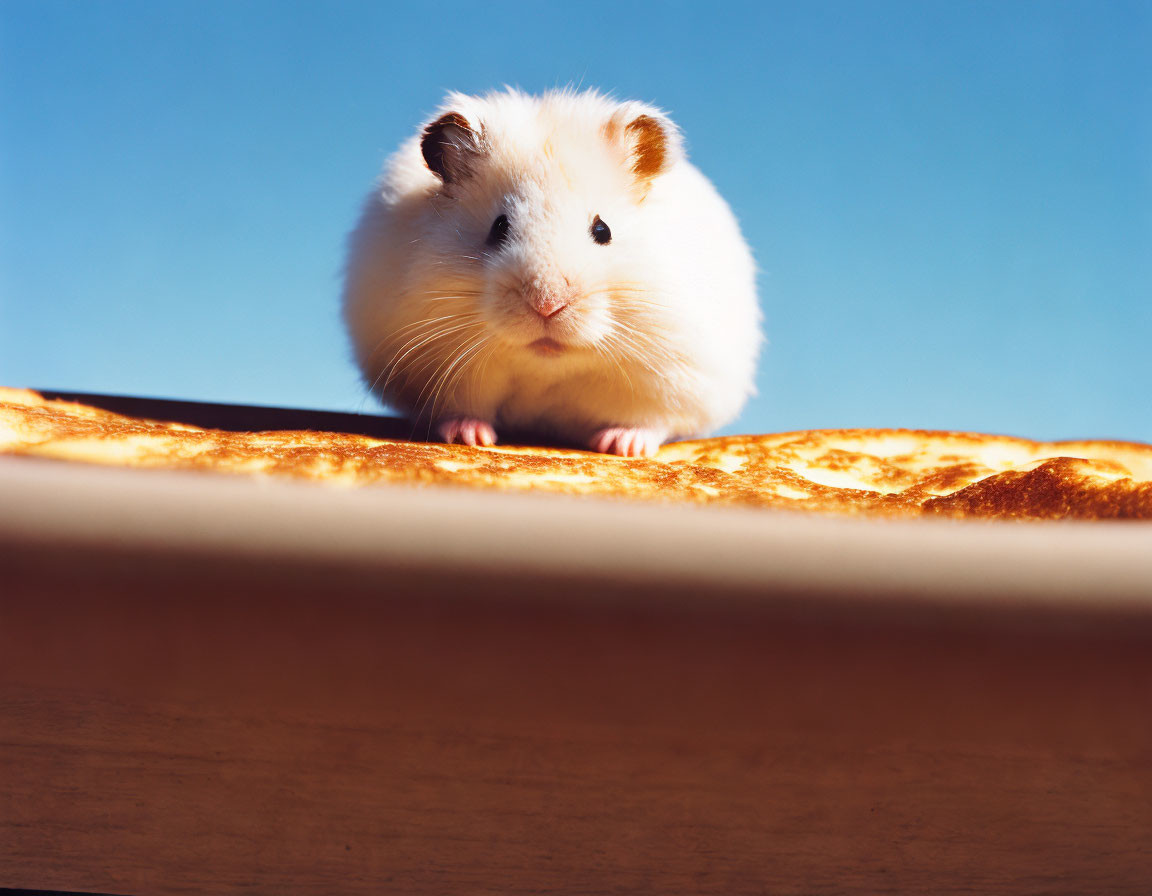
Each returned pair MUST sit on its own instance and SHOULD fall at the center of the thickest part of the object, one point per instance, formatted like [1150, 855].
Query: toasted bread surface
[863, 472]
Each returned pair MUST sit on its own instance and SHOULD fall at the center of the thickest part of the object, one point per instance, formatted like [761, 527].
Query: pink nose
[546, 303]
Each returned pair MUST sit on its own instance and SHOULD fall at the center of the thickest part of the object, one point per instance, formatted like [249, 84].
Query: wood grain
[171, 725]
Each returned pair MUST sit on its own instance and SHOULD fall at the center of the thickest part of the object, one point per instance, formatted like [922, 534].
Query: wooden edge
[754, 557]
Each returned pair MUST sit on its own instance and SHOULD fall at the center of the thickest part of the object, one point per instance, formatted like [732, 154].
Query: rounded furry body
[536, 323]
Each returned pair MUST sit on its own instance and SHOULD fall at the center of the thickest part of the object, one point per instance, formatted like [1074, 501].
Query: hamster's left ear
[450, 146]
[649, 139]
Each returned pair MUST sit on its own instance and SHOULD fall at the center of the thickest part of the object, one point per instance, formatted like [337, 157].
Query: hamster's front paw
[627, 441]
[466, 431]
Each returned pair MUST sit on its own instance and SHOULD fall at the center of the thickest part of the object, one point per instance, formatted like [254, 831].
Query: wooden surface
[178, 718]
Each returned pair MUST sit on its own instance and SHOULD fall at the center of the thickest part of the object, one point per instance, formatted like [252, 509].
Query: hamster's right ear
[648, 138]
[451, 147]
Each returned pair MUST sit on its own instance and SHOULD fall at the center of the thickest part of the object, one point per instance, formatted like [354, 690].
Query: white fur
[663, 329]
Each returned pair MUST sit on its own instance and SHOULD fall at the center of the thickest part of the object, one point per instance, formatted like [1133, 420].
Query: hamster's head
[543, 226]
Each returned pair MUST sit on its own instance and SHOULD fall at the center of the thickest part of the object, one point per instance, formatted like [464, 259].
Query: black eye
[499, 232]
[600, 232]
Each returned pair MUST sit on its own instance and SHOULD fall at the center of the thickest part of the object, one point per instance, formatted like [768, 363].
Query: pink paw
[627, 441]
[466, 431]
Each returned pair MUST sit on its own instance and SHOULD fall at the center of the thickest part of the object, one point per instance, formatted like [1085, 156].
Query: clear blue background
[951, 203]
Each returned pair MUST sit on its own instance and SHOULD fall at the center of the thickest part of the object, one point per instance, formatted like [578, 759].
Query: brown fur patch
[649, 151]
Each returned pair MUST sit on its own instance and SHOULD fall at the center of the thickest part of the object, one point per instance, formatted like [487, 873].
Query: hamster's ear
[450, 146]
[649, 139]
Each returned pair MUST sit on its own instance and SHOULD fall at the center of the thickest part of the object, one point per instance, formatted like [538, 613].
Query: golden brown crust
[871, 472]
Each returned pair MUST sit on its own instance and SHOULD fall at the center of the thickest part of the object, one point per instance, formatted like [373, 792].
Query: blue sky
[950, 203]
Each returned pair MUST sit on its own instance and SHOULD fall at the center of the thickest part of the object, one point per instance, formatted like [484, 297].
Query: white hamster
[552, 263]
